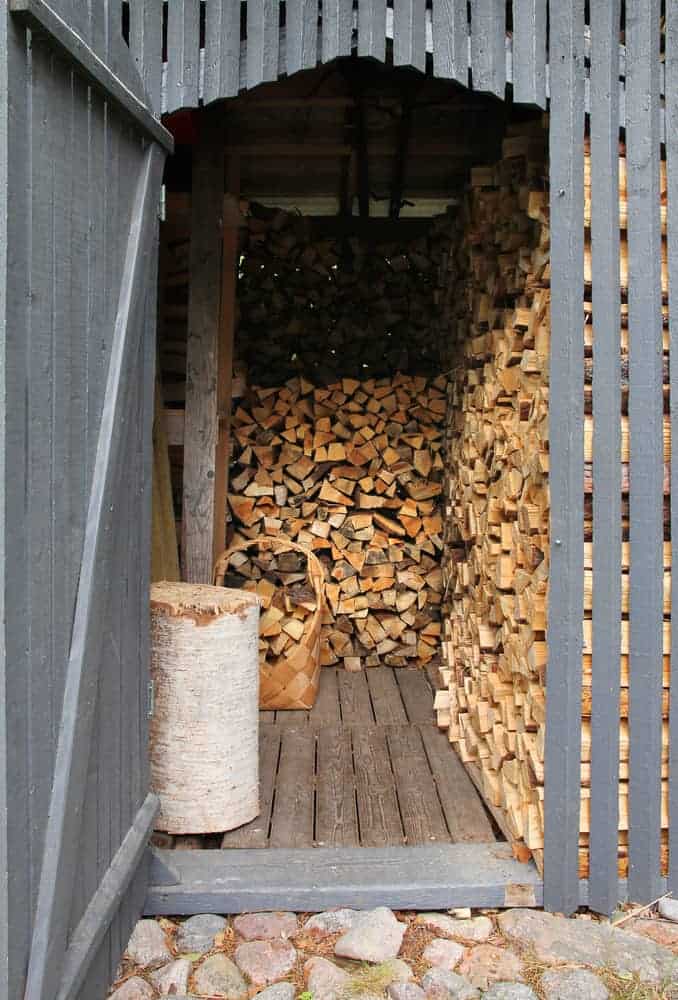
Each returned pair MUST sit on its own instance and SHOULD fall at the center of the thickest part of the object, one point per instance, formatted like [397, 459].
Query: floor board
[366, 767]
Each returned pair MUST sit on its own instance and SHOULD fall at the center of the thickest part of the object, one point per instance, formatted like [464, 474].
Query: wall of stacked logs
[496, 561]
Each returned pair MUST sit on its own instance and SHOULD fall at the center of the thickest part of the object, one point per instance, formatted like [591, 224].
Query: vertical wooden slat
[671, 64]
[336, 27]
[566, 419]
[450, 40]
[409, 33]
[488, 46]
[145, 42]
[301, 34]
[607, 538]
[529, 51]
[200, 424]
[646, 449]
[222, 50]
[183, 53]
[372, 29]
[263, 30]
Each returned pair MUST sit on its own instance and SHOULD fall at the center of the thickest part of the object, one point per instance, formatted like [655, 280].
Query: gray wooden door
[81, 160]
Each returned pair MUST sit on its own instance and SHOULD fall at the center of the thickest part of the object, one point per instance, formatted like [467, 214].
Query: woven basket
[291, 680]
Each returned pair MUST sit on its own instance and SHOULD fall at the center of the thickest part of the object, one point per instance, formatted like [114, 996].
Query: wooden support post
[229, 275]
[400, 160]
[201, 423]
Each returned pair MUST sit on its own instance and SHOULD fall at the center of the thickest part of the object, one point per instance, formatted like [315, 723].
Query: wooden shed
[410, 268]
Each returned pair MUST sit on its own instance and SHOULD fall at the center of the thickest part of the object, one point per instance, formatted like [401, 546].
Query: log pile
[327, 308]
[353, 471]
[496, 561]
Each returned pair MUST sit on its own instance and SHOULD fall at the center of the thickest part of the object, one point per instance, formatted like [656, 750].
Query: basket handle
[267, 544]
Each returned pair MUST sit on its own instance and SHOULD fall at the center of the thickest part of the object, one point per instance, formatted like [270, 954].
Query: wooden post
[229, 273]
[201, 425]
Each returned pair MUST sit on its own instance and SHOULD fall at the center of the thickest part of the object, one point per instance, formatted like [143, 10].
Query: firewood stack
[352, 470]
[328, 308]
[496, 561]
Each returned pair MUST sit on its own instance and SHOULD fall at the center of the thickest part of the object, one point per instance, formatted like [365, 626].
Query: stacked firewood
[328, 308]
[497, 499]
[497, 537]
[352, 471]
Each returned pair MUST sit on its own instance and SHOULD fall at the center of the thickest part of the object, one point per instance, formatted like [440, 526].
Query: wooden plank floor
[366, 767]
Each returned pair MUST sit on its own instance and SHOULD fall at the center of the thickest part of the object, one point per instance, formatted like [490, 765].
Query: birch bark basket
[204, 728]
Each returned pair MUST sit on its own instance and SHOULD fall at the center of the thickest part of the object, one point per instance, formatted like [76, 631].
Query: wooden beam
[201, 422]
[229, 272]
[400, 159]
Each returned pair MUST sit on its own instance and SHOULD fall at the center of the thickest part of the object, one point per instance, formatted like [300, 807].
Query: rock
[443, 954]
[265, 962]
[440, 984]
[586, 942]
[135, 988]
[510, 991]
[661, 931]
[573, 984]
[375, 936]
[332, 922]
[196, 935]
[279, 991]
[217, 976]
[486, 964]
[324, 979]
[405, 991]
[668, 909]
[148, 945]
[474, 929]
[266, 926]
[173, 978]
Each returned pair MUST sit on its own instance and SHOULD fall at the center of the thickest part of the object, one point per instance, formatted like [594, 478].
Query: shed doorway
[351, 183]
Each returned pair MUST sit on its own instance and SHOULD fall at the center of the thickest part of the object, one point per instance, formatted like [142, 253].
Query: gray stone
[406, 991]
[217, 976]
[474, 929]
[324, 979]
[443, 954]
[266, 926]
[573, 984]
[135, 988]
[440, 984]
[375, 936]
[279, 991]
[510, 991]
[196, 935]
[148, 945]
[332, 922]
[668, 909]
[486, 964]
[587, 942]
[172, 978]
[265, 962]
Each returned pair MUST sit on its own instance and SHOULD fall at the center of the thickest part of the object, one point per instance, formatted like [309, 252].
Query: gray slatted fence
[606, 392]
[646, 491]
[672, 248]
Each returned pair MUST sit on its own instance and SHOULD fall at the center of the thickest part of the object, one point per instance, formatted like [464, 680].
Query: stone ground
[380, 955]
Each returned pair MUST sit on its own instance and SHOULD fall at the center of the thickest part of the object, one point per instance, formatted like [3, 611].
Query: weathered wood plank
[222, 50]
[354, 697]
[145, 40]
[183, 54]
[646, 530]
[292, 818]
[263, 31]
[416, 694]
[607, 534]
[326, 710]
[488, 46]
[337, 25]
[529, 52]
[201, 421]
[336, 814]
[386, 701]
[372, 29]
[450, 40]
[301, 34]
[464, 812]
[563, 701]
[380, 823]
[255, 834]
[409, 33]
[420, 808]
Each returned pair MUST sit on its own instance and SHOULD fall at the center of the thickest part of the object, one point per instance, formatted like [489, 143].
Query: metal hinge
[151, 699]
[162, 206]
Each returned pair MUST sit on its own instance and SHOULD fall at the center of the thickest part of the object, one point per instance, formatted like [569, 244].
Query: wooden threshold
[443, 876]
